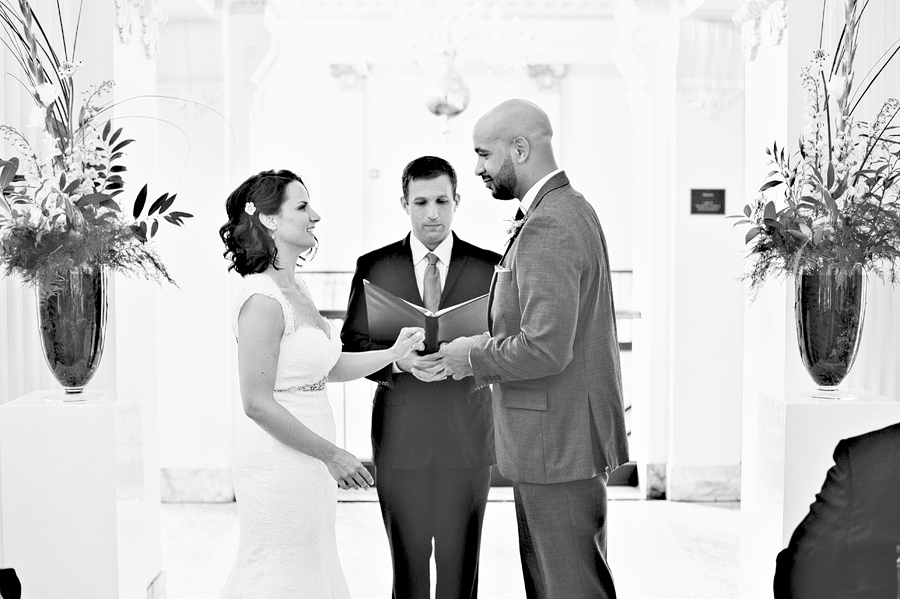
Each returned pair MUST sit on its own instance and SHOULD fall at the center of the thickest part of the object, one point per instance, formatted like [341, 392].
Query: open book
[389, 313]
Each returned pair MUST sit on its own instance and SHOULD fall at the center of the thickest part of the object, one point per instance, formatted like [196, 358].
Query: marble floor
[656, 548]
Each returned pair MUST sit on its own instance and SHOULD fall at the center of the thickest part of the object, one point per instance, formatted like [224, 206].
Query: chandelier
[443, 33]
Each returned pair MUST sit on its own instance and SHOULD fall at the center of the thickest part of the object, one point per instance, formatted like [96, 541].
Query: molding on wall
[711, 102]
[703, 483]
[652, 480]
[196, 485]
[194, 99]
[547, 76]
[762, 22]
[145, 14]
[710, 68]
[514, 8]
[350, 76]
[240, 6]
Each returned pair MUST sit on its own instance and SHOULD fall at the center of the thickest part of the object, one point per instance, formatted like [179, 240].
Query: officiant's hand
[410, 339]
[427, 369]
[456, 357]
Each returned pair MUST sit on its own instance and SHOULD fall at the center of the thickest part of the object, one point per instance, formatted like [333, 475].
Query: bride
[286, 463]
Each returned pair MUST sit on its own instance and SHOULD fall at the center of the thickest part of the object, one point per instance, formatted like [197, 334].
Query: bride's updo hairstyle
[248, 243]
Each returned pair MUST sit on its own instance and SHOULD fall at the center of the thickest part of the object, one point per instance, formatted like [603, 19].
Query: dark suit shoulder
[473, 251]
[878, 444]
[391, 249]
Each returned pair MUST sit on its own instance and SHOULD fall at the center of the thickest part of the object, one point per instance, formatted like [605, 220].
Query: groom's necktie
[431, 284]
[519, 214]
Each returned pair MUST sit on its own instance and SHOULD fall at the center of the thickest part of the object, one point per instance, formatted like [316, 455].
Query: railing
[352, 402]
[330, 290]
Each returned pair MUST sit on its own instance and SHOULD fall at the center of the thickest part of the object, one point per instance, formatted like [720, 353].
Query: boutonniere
[514, 228]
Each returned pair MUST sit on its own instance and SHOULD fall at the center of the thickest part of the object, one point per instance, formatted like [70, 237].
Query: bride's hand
[409, 339]
[348, 471]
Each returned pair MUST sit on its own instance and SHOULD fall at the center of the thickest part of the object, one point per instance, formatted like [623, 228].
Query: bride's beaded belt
[317, 386]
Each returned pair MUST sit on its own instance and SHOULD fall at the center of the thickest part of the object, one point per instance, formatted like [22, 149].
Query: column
[685, 91]
[213, 63]
[644, 54]
[706, 298]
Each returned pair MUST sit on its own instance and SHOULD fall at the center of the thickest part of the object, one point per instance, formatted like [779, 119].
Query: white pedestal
[72, 496]
[788, 450]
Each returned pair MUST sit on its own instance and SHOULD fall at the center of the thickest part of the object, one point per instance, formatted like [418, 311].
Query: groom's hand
[456, 357]
[428, 368]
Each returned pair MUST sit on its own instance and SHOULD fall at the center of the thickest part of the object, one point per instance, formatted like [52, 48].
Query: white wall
[706, 302]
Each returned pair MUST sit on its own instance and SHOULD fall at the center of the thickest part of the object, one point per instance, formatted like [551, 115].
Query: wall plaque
[707, 201]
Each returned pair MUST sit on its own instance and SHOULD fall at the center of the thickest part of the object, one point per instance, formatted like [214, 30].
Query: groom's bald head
[520, 132]
[517, 118]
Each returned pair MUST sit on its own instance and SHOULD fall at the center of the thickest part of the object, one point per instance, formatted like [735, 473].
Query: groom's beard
[505, 181]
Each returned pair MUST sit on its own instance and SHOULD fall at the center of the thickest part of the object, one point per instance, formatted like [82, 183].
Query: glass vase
[829, 309]
[72, 323]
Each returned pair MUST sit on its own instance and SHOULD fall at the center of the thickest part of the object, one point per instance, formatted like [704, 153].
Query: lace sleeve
[260, 284]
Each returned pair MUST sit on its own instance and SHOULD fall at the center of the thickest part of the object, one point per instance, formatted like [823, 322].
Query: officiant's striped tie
[431, 285]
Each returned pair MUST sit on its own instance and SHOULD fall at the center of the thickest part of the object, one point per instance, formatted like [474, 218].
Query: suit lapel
[457, 265]
[491, 302]
[555, 182]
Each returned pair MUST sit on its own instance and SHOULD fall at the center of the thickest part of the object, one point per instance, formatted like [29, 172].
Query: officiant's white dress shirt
[420, 263]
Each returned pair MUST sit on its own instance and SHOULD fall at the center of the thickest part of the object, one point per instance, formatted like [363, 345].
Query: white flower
[46, 93]
[837, 87]
[36, 118]
[514, 228]
[52, 145]
[250, 208]
[67, 69]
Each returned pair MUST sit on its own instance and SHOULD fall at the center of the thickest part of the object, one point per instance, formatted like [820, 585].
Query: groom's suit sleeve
[355, 332]
[548, 267]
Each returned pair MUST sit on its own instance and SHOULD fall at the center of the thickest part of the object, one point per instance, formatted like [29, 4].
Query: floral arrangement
[59, 206]
[837, 204]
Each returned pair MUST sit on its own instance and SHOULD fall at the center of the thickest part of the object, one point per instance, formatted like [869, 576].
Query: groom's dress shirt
[526, 202]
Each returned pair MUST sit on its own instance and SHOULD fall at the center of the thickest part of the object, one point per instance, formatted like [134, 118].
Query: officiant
[432, 436]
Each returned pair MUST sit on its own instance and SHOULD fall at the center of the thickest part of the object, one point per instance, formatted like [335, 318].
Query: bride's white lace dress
[286, 499]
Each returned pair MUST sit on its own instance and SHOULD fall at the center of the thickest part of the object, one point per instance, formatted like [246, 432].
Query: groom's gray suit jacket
[553, 354]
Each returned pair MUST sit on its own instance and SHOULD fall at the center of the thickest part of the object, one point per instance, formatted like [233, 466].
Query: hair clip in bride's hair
[250, 208]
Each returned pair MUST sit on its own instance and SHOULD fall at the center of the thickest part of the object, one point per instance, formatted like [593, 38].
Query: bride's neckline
[304, 325]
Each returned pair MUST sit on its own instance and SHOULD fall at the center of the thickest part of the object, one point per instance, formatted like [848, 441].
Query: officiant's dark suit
[433, 442]
[846, 546]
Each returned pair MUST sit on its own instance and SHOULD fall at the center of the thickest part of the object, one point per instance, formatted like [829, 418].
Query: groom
[432, 437]
[553, 357]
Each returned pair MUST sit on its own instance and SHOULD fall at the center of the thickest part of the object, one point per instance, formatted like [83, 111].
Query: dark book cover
[388, 314]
